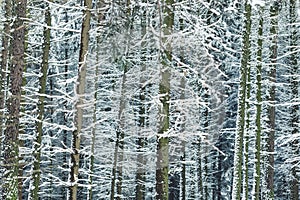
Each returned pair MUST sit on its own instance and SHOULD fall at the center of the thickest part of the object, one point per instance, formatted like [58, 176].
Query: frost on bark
[12, 177]
[183, 124]
[4, 62]
[238, 151]
[246, 140]
[141, 141]
[271, 98]
[36, 174]
[80, 93]
[162, 155]
[295, 96]
[117, 171]
[257, 169]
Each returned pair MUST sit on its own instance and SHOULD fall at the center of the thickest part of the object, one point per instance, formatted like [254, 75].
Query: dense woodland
[149, 99]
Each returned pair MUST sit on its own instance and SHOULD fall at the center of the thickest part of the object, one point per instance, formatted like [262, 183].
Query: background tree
[41, 107]
[294, 67]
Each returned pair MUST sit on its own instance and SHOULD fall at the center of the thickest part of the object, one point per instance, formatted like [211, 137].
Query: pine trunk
[239, 138]
[80, 92]
[36, 174]
[183, 142]
[295, 96]
[257, 170]
[162, 163]
[12, 179]
[271, 98]
[141, 159]
[4, 63]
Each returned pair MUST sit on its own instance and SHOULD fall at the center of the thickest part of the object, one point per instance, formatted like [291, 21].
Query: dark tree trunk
[13, 181]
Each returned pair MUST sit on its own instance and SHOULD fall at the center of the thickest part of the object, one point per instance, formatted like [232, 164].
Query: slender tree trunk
[118, 155]
[205, 175]
[36, 174]
[66, 134]
[182, 121]
[205, 115]
[141, 169]
[238, 150]
[120, 134]
[199, 170]
[93, 142]
[183, 142]
[295, 95]
[141, 160]
[162, 163]
[51, 180]
[121, 117]
[114, 169]
[246, 139]
[80, 92]
[12, 179]
[257, 170]
[271, 98]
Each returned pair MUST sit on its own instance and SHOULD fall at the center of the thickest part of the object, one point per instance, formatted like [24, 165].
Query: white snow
[258, 2]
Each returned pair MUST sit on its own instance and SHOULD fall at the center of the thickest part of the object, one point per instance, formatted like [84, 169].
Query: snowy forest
[150, 99]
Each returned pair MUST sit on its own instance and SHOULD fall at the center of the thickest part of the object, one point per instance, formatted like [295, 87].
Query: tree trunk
[257, 170]
[271, 98]
[162, 163]
[12, 180]
[80, 92]
[183, 142]
[295, 88]
[141, 160]
[66, 134]
[4, 63]
[238, 150]
[183, 120]
[120, 134]
[247, 139]
[36, 174]
[199, 170]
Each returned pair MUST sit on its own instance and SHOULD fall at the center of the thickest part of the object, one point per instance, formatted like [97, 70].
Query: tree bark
[271, 98]
[238, 150]
[12, 180]
[141, 142]
[80, 92]
[257, 170]
[4, 63]
[162, 163]
[120, 134]
[36, 174]
[295, 88]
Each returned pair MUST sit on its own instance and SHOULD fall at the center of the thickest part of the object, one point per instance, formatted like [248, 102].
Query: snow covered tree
[13, 175]
[239, 138]
[294, 67]
[162, 163]
[36, 174]
[80, 97]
